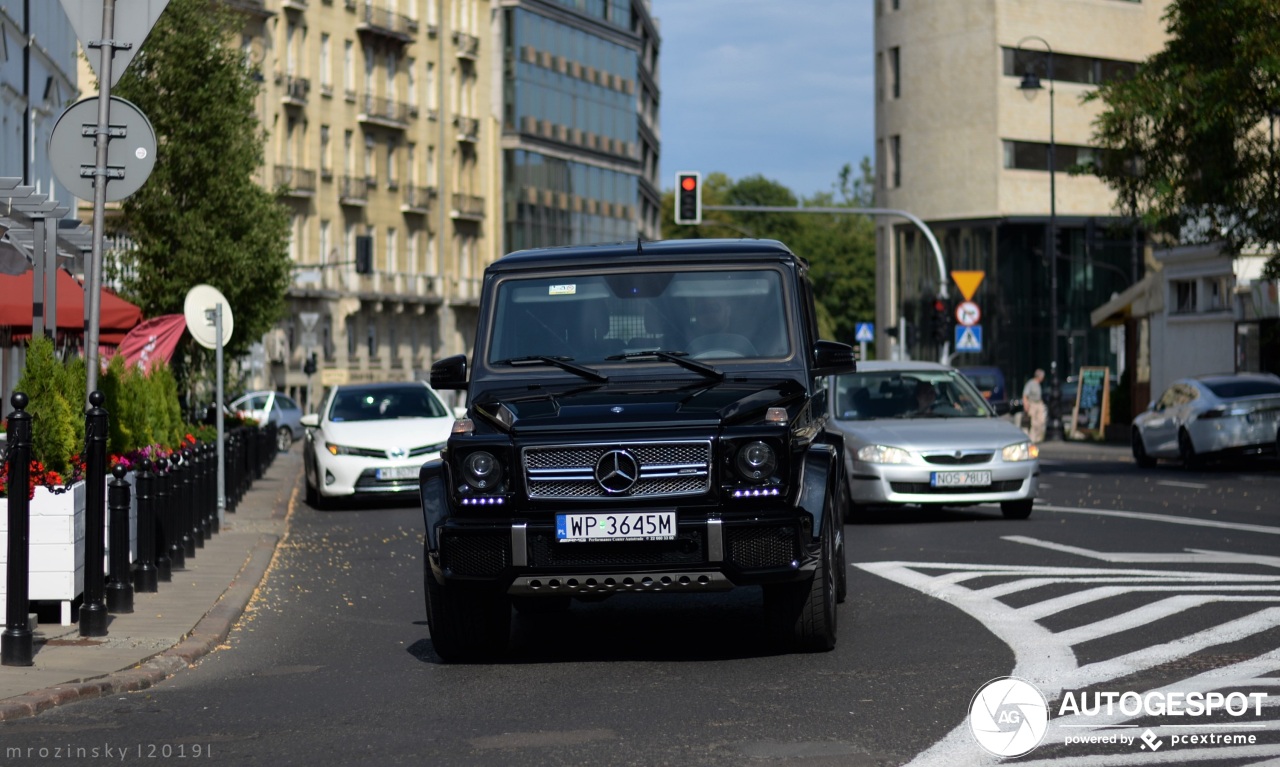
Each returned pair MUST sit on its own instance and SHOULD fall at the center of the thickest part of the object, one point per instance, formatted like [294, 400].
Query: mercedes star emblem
[617, 471]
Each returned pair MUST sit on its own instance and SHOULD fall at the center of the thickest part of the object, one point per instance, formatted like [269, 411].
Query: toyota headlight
[1022, 451]
[883, 454]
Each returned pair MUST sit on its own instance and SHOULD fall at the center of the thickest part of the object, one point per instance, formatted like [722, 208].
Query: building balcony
[354, 190]
[294, 5]
[468, 128]
[468, 45]
[386, 23]
[418, 199]
[384, 112]
[295, 182]
[256, 8]
[467, 207]
[294, 90]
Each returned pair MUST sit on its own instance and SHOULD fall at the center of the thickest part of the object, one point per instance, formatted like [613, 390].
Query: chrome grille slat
[666, 469]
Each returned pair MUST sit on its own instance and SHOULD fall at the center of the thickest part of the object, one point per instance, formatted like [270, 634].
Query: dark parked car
[990, 381]
[642, 417]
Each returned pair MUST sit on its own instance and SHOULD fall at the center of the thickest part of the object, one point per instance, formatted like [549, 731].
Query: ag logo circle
[1008, 716]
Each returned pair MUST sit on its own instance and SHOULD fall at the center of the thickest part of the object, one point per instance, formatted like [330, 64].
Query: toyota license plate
[640, 526]
[398, 472]
[960, 478]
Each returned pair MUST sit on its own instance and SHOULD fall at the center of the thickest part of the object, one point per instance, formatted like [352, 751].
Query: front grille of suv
[773, 546]
[479, 554]
[666, 469]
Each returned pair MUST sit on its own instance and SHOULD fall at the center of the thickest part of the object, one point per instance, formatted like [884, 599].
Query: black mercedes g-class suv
[641, 417]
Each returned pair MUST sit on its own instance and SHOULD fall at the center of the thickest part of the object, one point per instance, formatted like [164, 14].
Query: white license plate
[640, 526]
[960, 478]
[398, 472]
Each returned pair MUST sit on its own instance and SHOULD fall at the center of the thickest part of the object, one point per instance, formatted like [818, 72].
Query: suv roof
[643, 252]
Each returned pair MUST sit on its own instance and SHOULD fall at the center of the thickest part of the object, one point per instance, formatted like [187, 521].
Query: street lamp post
[1031, 82]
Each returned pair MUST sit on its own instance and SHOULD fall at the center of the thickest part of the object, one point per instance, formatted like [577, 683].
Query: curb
[204, 638]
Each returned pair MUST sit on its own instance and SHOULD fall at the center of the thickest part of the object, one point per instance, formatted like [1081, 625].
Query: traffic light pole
[945, 355]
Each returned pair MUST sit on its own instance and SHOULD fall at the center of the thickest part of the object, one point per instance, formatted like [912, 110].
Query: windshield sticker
[562, 290]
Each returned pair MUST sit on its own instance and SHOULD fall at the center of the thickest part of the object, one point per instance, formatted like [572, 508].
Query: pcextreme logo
[1008, 716]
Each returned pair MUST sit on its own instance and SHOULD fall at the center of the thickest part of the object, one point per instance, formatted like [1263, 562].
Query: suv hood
[634, 405]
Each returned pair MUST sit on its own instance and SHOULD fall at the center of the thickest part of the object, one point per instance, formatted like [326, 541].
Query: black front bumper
[524, 557]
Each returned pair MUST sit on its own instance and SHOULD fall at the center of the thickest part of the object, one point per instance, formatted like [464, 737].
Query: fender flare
[433, 488]
[820, 469]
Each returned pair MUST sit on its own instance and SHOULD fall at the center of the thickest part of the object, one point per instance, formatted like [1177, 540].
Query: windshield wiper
[679, 358]
[564, 363]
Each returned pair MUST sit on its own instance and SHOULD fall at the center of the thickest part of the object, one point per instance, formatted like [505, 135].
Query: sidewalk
[1076, 449]
[171, 629]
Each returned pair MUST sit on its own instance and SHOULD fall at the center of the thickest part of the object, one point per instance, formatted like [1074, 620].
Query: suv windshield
[908, 394]
[594, 319]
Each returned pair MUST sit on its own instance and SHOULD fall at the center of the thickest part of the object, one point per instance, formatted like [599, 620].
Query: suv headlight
[883, 454]
[1022, 451]
[482, 471]
[756, 461]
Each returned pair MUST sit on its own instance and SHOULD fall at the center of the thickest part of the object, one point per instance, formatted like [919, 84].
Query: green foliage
[840, 249]
[1190, 136]
[119, 419]
[53, 434]
[201, 218]
[74, 380]
[166, 391]
[136, 405]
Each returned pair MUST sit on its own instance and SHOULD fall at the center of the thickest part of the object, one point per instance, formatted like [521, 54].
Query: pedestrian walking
[1034, 405]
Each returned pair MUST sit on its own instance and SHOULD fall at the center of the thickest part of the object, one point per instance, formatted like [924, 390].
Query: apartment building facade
[580, 129]
[963, 143]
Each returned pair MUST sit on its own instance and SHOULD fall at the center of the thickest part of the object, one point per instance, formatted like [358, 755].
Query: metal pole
[120, 584]
[101, 138]
[222, 456]
[51, 273]
[37, 277]
[1055, 418]
[93, 610]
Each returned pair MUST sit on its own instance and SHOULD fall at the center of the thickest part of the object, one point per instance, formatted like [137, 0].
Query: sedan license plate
[398, 472]
[640, 526]
[960, 478]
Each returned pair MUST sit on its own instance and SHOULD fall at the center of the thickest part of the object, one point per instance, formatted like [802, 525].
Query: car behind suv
[643, 417]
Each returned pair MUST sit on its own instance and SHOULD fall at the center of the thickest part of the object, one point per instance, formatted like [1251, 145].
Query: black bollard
[144, 570]
[208, 488]
[160, 513]
[93, 609]
[177, 542]
[15, 644]
[119, 580]
[192, 510]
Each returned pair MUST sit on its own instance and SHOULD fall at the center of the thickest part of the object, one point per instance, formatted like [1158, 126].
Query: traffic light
[688, 197]
[309, 367]
[364, 254]
[940, 320]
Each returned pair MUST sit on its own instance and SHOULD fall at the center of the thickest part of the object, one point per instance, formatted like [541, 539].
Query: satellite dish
[200, 300]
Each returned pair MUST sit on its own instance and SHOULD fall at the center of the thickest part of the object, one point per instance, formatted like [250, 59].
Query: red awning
[116, 316]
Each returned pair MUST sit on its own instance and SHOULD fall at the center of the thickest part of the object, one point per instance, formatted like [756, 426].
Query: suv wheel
[803, 615]
[467, 623]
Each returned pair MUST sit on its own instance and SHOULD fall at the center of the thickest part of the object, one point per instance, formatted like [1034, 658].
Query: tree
[1189, 139]
[201, 218]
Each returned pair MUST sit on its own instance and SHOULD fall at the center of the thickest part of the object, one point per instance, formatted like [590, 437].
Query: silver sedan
[1210, 416]
[920, 433]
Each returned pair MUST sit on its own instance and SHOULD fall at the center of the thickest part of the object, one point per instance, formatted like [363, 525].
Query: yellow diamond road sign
[968, 282]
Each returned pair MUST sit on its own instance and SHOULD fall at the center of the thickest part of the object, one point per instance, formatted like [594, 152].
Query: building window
[392, 262]
[1219, 293]
[326, 236]
[349, 68]
[393, 176]
[372, 339]
[370, 168]
[326, 153]
[411, 77]
[326, 65]
[895, 88]
[895, 162]
[348, 152]
[1184, 296]
[1034, 155]
[352, 345]
[1066, 68]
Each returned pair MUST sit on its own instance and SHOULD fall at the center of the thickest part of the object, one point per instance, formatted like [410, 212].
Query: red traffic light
[939, 305]
[689, 183]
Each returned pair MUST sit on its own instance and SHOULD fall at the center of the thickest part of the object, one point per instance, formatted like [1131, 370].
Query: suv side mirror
[450, 373]
[832, 358]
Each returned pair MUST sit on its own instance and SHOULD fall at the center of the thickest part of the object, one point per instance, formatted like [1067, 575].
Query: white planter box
[56, 537]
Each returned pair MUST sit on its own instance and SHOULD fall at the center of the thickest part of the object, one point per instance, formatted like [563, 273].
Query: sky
[780, 88]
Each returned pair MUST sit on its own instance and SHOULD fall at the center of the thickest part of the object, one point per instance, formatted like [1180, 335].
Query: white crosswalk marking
[1047, 658]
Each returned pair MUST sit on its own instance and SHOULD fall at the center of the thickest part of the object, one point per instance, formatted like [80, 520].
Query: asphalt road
[1121, 580]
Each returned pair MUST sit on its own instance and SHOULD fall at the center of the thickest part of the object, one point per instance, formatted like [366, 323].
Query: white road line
[1162, 608]
[1190, 556]
[1060, 604]
[1143, 758]
[1188, 485]
[1166, 518]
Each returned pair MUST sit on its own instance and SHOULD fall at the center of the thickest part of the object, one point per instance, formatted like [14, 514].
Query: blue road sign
[969, 339]
[866, 332]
